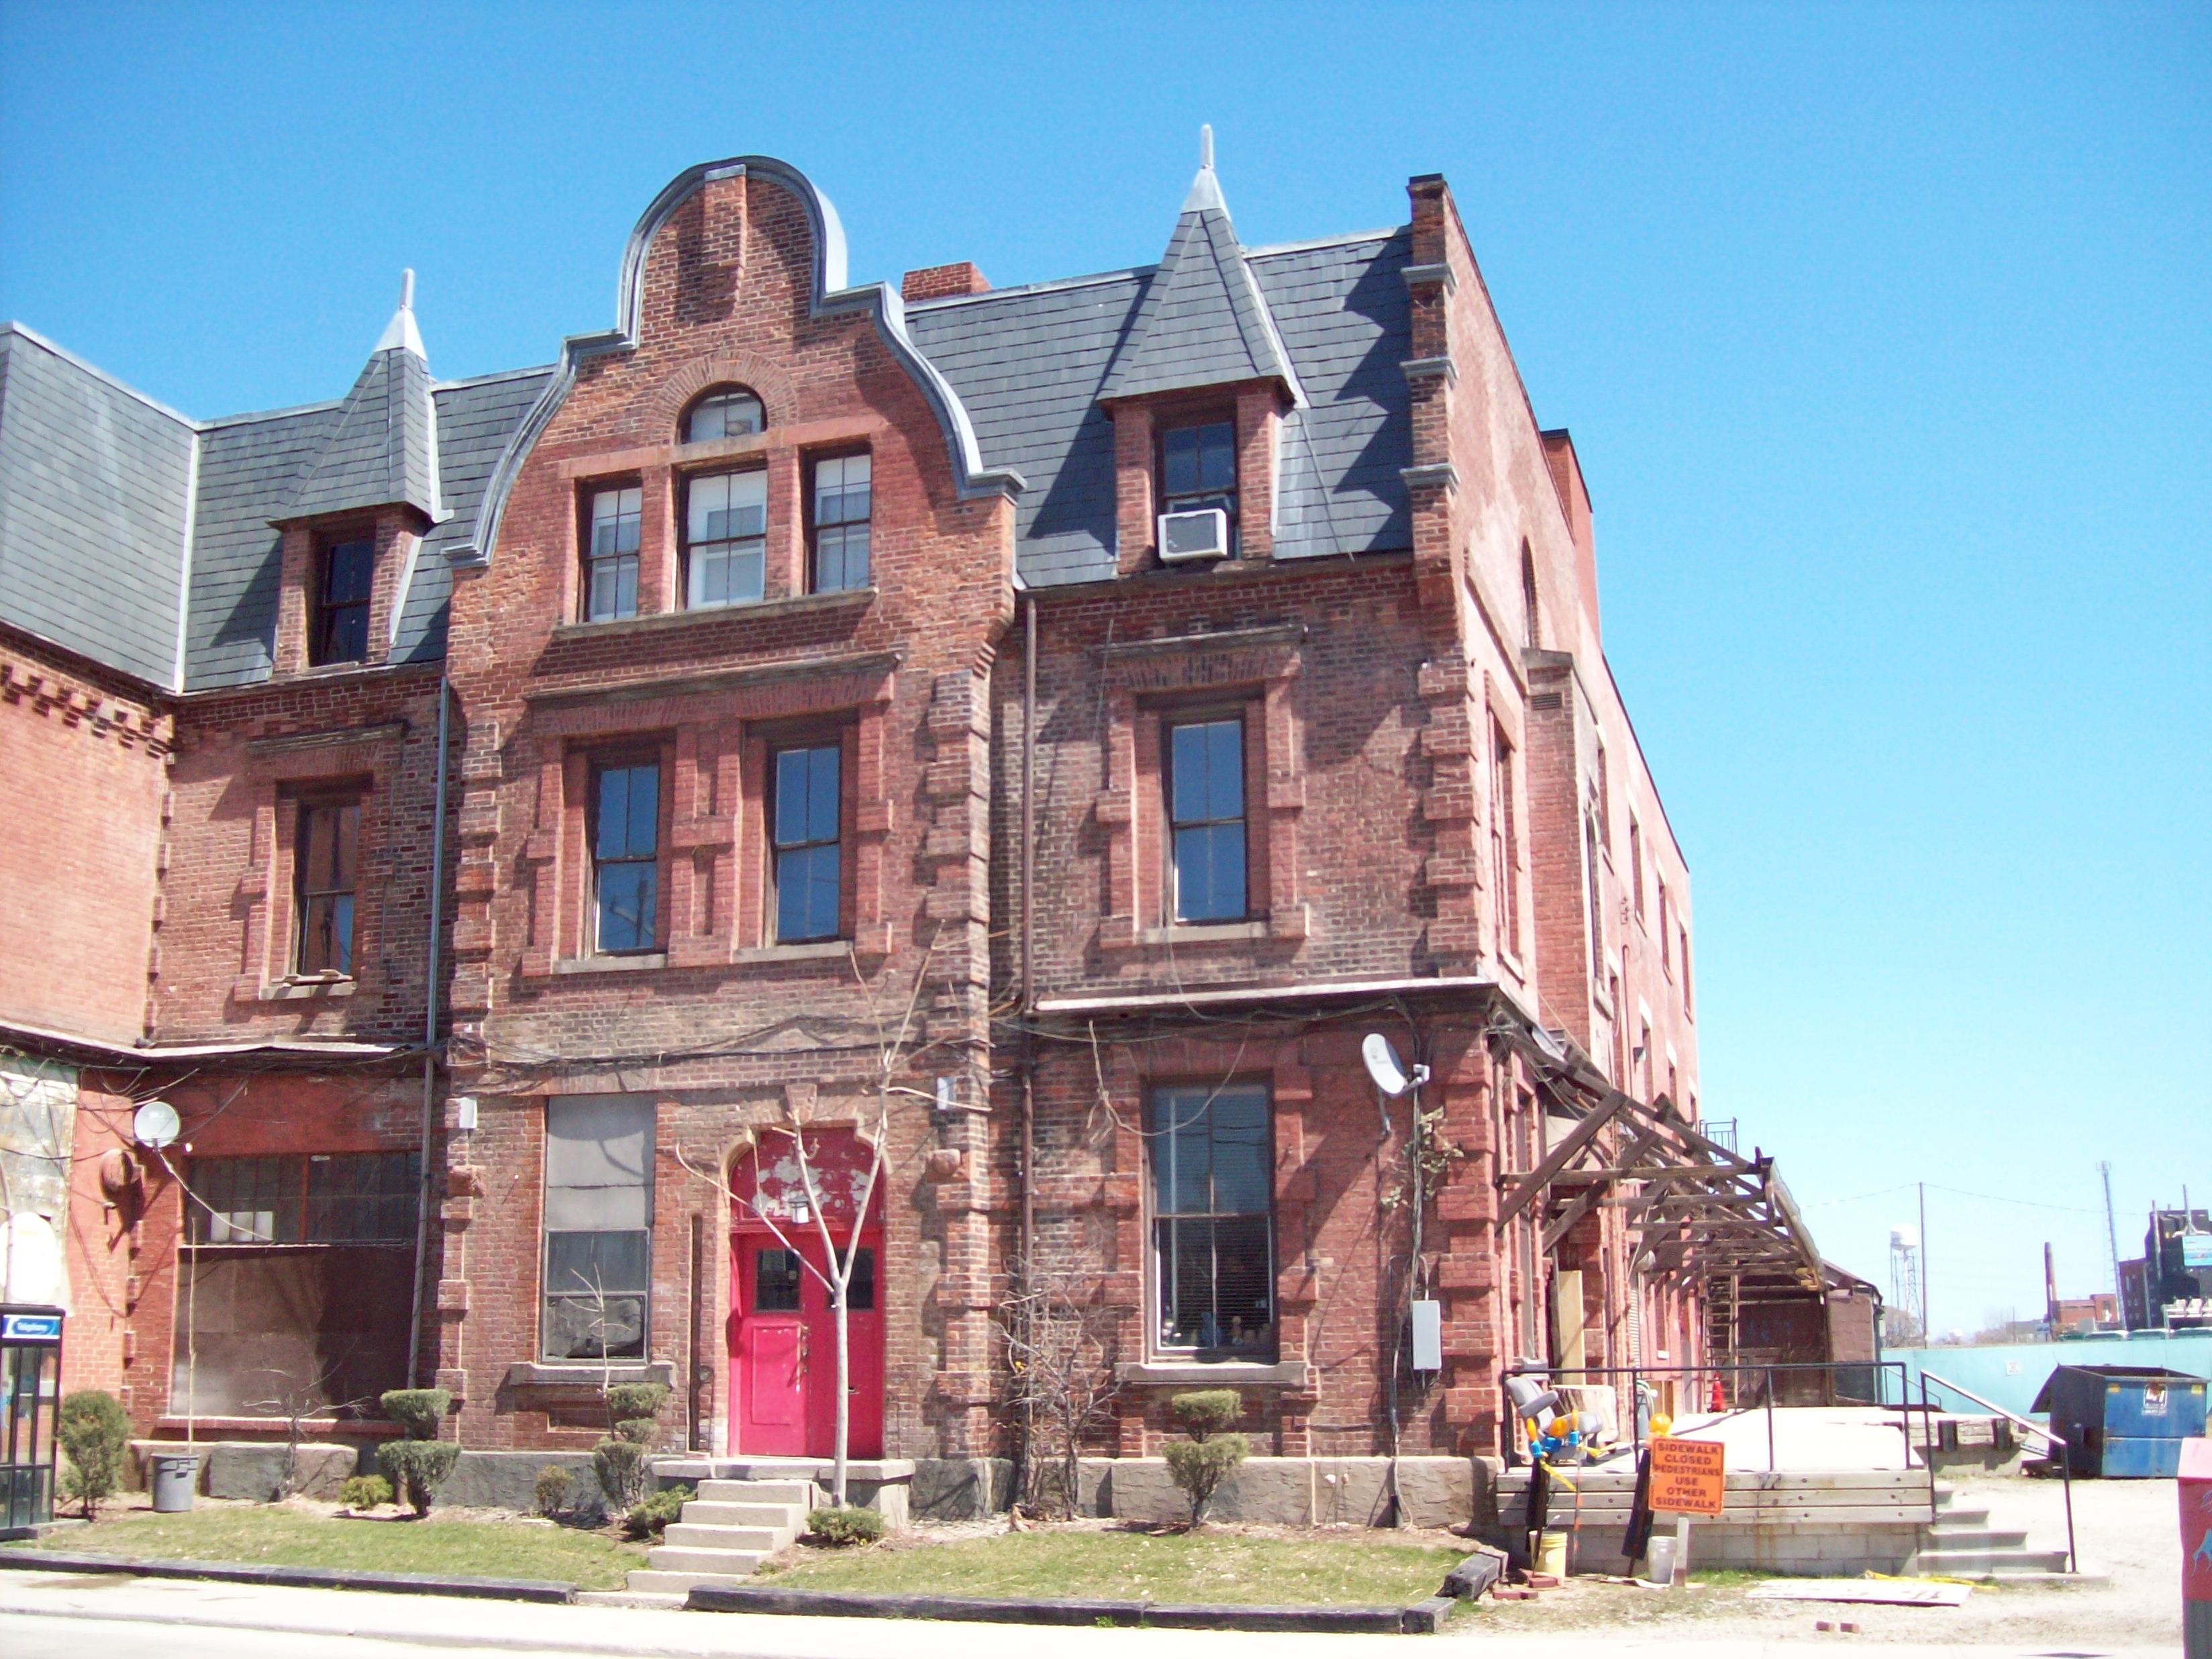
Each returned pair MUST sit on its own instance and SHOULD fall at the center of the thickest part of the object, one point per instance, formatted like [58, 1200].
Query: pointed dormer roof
[1203, 321]
[383, 451]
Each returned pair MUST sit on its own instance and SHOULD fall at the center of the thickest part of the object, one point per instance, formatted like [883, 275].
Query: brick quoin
[1439, 788]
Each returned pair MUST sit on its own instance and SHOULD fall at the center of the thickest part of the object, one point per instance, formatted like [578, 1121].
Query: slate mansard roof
[148, 541]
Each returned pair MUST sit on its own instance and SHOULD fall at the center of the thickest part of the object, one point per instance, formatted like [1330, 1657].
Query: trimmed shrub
[364, 1492]
[95, 1431]
[622, 1472]
[848, 1524]
[649, 1516]
[1199, 1464]
[631, 1399]
[553, 1485]
[418, 1411]
[642, 1430]
[416, 1468]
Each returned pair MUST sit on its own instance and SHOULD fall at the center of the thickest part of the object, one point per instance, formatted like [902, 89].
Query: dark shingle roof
[379, 454]
[1031, 363]
[94, 482]
[1202, 322]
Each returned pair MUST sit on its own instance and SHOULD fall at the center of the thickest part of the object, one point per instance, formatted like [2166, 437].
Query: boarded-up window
[297, 1279]
[599, 1220]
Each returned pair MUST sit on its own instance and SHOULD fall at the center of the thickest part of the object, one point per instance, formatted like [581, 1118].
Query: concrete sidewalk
[63, 1616]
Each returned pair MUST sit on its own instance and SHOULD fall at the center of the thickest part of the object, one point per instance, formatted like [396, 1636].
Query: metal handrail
[2056, 1441]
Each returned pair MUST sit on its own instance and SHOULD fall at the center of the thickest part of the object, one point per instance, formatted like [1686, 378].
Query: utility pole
[2111, 1234]
[1926, 1335]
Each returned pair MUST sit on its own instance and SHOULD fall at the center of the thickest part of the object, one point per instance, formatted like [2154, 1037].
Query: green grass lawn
[303, 1538]
[1210, 1566]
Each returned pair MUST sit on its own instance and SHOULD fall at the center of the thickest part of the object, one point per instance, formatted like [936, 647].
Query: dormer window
[727, 412]
[1198, 470]
[341, 631]
[725, 539]
[611, 554]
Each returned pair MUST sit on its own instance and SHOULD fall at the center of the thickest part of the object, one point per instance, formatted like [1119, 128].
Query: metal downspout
[430, 1031]
[1028, 977]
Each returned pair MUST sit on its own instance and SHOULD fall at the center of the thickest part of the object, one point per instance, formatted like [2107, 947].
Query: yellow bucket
[1551, 1553]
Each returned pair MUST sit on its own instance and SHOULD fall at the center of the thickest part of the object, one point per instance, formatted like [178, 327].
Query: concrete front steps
[725, 1534]
[1961, 1544]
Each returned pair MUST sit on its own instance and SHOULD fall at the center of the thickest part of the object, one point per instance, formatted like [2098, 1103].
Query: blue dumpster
[2124, 1422]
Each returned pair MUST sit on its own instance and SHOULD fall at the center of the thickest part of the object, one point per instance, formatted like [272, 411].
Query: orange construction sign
[1688, 1477]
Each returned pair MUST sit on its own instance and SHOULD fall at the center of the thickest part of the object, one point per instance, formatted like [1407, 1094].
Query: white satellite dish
[155, 1124]
[1383, 1064]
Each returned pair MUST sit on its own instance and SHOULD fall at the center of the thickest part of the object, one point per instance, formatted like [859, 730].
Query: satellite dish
[1383, 1064]
[155, 1124]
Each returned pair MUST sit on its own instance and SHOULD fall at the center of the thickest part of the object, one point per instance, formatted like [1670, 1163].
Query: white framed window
[844, 491]
[725, 537]
[730, 412]
[611, 553]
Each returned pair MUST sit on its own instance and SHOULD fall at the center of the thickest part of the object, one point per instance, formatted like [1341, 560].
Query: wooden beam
[1580, 1207]
[1560, 1155]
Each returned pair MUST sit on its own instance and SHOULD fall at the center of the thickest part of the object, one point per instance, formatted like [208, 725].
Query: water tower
[1905, 1287]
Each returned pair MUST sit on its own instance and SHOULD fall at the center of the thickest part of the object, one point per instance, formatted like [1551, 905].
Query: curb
[1424, 1617]
[245, 1572]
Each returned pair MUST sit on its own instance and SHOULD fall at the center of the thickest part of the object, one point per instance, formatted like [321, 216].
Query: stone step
[670, 1559]
[1950, 1518]
[803, 1493]
[1943, 1536]
[1986, 1563]
[766, 1540]
[709, 1514]
[644, 1581]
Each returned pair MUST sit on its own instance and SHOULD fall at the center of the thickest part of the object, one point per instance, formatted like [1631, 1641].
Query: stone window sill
[294, 986]
[1203, 932]
[793, 604]
[1220, 1373]
[642, 962]
[587, 1374]
[371, 1426]
[813, 950]
[1511, 964]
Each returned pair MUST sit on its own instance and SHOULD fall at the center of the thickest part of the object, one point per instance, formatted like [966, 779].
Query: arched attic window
[724, 412]
[1531, 619]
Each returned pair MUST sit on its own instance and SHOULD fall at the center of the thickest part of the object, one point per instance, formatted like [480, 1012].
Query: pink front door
[783, 1350]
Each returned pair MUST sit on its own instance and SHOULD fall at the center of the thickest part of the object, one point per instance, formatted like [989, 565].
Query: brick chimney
[938, 282]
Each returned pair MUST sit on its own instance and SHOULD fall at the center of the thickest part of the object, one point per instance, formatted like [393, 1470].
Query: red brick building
[1040, 731]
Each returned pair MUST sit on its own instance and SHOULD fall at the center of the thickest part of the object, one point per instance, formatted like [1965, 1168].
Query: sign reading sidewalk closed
[1688, 1477]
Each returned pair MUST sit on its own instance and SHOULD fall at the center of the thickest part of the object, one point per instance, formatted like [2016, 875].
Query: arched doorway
[782, 1331]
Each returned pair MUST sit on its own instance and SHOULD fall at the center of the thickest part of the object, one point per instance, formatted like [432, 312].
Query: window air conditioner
[1200, 535]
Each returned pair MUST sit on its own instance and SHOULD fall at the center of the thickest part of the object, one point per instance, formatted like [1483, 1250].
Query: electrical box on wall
[1428, 1335]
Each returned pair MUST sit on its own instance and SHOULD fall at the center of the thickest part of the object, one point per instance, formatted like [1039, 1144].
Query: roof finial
[1205, 189]
[400, 334]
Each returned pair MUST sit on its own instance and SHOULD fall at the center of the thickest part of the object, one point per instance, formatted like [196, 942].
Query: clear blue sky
[1885, 334]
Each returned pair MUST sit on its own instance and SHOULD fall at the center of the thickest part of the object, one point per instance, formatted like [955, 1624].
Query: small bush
[630, 1399]
[848, 1524]
[1199, 1464]
[553, 1485]
[622, 1470]
[641, 1431]
[416, 1468]
[95, 1431]
[364, 1492]
[649, 1516]
[418, 1411]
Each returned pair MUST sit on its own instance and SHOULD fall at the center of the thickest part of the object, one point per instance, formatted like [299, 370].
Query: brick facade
[1438, 793]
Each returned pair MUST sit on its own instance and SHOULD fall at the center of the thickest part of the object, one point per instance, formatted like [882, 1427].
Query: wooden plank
[1560, 1157]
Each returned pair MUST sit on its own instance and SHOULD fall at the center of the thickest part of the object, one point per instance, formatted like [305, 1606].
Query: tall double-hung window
[1214, 1261]
[843, 498]
[725, 537]
[341, 631]
[326, 854]
[1205, 819]
[1198, 470]
[598, 1225]
[611, 553]
[626, 858]
[808, 862]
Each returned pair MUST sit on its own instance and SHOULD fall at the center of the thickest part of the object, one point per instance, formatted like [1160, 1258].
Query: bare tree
[1059, 1376]
[896, 1049]
[296, 1401]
